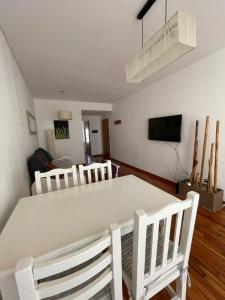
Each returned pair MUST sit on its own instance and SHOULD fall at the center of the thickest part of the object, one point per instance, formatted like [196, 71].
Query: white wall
[95, 123]
[46, 113]
[195, 92]
[16, 143]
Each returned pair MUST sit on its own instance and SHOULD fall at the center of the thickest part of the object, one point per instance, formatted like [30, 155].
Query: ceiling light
[176, 38]
[65, 115]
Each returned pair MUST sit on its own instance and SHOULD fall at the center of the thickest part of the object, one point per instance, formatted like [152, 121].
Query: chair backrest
[60, 177]
[79, 275]
[163, 254]
[95, 169]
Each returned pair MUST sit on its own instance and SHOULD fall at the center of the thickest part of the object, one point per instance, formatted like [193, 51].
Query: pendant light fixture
[64, 115]
[176, 38]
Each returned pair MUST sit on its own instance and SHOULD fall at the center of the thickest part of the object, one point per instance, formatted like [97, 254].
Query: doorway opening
[105, 139]
[96, 135]
[87, 140]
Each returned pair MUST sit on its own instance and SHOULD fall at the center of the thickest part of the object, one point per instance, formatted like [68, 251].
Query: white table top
[46, 222]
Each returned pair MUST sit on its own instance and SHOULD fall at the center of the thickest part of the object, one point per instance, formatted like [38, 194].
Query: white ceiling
[82, 46]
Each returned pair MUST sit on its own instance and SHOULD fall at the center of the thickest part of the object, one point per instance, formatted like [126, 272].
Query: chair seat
[127, 251]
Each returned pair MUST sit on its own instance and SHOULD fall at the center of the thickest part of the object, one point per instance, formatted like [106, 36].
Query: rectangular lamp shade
[173, 40]
[64, 115]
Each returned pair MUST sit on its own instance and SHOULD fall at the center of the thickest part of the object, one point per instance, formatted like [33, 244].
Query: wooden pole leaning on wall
[216, 155]
[195, 155]
[196, 140]
[192, 178]
[197, 178]
[204, 150]
[209, 185]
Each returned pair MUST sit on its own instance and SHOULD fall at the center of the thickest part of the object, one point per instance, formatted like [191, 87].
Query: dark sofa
[40, 160]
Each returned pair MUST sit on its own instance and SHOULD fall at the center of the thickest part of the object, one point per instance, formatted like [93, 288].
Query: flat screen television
[165, 128]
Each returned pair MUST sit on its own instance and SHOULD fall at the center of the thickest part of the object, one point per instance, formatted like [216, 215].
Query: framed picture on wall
[31, 121]
[61, 130]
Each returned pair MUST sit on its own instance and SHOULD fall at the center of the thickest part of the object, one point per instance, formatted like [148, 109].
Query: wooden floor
[207, 260]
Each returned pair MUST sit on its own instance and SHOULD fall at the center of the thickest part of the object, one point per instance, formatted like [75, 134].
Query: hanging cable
[165, 11]
[178, 161]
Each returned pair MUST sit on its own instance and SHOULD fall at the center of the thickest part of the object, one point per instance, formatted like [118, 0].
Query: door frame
[87, 144]
[105, 138]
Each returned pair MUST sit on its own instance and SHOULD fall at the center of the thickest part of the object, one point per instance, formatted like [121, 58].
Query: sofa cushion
[44, 154]
[51, 166]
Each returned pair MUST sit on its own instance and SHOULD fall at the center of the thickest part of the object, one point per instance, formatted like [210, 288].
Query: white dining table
[44, 223]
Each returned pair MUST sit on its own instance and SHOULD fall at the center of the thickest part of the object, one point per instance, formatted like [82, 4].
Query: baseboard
[146, 173]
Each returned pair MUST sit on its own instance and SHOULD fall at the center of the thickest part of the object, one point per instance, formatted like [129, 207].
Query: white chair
[57, 177]
[95, 168]
[151, 261]
[92, 272]
[117, 169]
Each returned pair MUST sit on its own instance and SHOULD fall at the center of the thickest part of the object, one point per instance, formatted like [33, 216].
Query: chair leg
[171, 292]
[181, 285]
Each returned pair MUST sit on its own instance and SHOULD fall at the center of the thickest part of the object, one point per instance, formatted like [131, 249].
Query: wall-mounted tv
[165, 128]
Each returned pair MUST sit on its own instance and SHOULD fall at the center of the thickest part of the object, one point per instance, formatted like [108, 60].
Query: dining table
[46, 225]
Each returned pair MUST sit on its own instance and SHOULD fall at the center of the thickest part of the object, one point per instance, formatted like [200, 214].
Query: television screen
[165, 128]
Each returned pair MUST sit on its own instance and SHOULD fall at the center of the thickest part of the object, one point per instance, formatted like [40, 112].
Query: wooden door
[105, 138]
[87, 141]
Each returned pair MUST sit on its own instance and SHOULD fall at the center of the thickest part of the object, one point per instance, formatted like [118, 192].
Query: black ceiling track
[145, 9]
